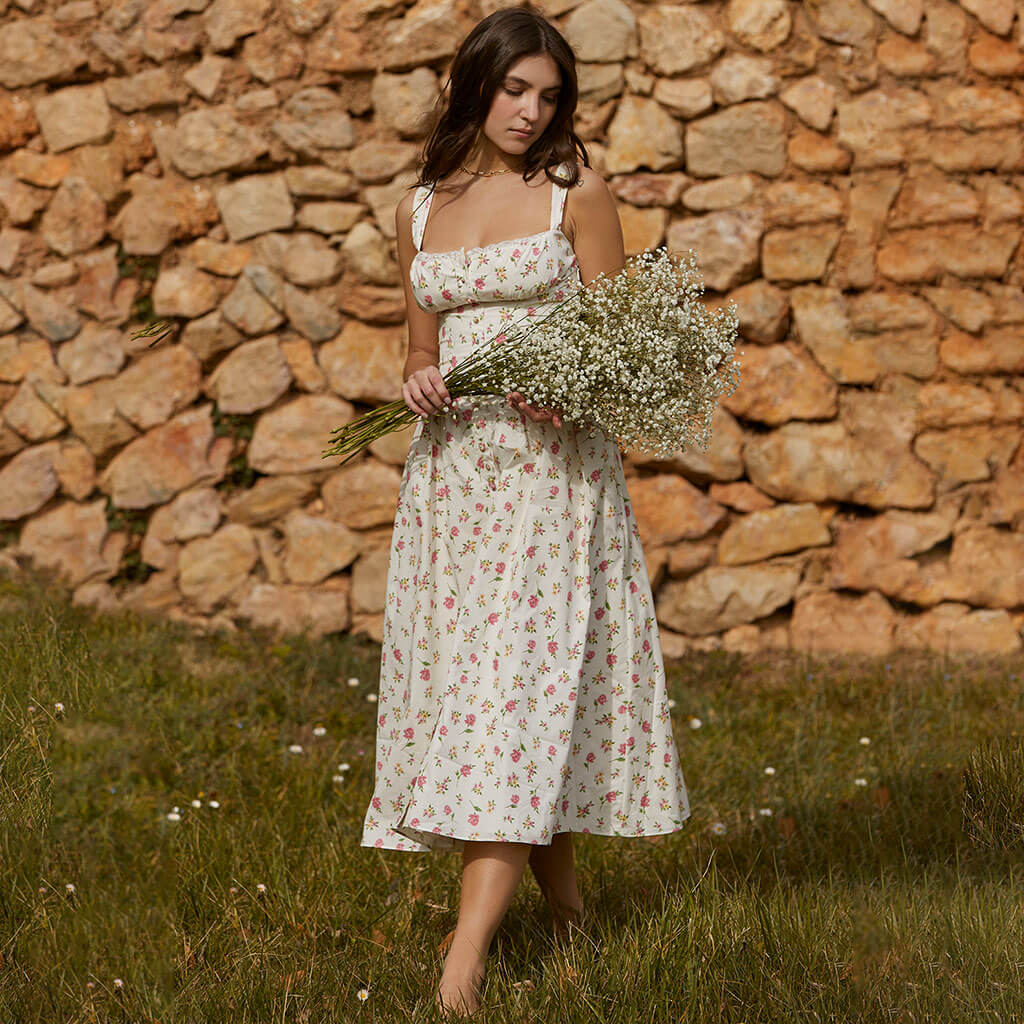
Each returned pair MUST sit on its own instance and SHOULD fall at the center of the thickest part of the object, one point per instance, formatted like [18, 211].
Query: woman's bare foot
[460, 988]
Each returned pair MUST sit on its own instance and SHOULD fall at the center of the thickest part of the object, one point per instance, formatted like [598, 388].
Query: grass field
[859, 897]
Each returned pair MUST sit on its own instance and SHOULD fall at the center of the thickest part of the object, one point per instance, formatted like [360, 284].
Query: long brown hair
[476, 73]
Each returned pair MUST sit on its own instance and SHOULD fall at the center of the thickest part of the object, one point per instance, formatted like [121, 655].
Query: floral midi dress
[522, 687]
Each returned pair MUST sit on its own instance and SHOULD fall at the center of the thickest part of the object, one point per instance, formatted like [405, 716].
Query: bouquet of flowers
[635, 353]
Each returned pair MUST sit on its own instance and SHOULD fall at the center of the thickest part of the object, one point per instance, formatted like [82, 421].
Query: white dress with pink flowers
[522, 688]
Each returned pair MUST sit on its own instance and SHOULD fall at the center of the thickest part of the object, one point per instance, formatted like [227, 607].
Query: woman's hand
[536, 413]
[424, 392]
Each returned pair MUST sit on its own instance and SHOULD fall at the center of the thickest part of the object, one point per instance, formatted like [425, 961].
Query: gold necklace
[487, 174]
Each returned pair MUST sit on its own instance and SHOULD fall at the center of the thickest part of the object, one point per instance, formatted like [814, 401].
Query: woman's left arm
[592, 225]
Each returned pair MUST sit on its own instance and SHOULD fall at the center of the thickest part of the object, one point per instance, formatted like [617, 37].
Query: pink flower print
[622, 748]
[454, 531]
[645, 801]
[668, 758]
[465, 770]
[477, 531]
[514, 799]
[611, 659]
[603, 565]
[635, 677]
[478, 283]
[463, 679]
[555, 446]
[474, 819]
[531, 645]
[633, 588]
[379, 842]
[443, 730]
[449, 602]
[552, 647]
[631, 742]
[428, 300]
[531, 551]
[516, 754]
[535, 801]
[446, 292]
[646, 726]
[552, 750]
[602, 698]
[376, 803]
[500, 567]
[554, 490]
[510, 706]
[496, 528]
[380, 721]
[409, 733]
[590, 758]
[550, 690]
[595, 475]
[447, 809]
[470, 719]
[598, 613]
[425, 674]
[611, 795]
[492, 618]
[528, 467]
[516, 253]
[565, 806]
[532, 600]
[535, 249]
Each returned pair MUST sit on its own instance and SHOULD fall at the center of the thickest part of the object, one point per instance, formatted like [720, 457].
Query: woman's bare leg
[554, 869]
[491, 873]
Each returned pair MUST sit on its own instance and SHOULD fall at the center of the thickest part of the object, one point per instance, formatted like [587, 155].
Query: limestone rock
[379, 160]
[762, 310]
[157, 386]
[211, 568]
[167, 459]
[722, 460]
[642, 134]
[27, 482]
[209, 335]
[781, 383]
[219, 258]
[311, 317]
[70, 540]
[602, 30]
[668, 508]
[161, 211]
[825, 621]
[364, 363]
[228, 20]
[362, 494]
[73, 117]
[430, 30]
[841, 21]
[76, 219]
[684, 97]
[256, 204]
[873, 126]
[319, 182]
[812, 99]
[309, 261]
[996, 351]
[94, 352]
[317, 547]
[315, 119]
[798, 254]
[269, 498]
[747, 137]
[211, 140]
[727, 244]
[251, 377]
[402, 102]
[303, 16]
[292, 437]
[903, 15]
[366, 254]
[774, 531]
[369, 581]
[49, 315]
[273, 55]
[737, 77]
[298, 609]
[962, 454]
[30, 416]
[205, 76]
[184, 291]
[760, 24]
[92, 412]
[151, 88]
[31, 52]
[720, 597]
[674, 40]
[952, 627]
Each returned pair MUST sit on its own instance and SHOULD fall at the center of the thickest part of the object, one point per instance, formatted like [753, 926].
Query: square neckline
[551, 229]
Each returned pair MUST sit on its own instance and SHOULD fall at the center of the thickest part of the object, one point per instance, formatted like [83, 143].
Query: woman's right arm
[423, 387]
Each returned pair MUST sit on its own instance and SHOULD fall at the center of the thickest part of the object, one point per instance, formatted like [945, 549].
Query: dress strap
[558, 194]
[421, 200]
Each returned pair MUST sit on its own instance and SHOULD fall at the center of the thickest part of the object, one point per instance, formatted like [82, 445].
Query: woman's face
[526, 99]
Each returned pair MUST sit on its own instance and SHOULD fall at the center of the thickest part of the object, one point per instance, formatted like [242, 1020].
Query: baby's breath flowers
[636, 354]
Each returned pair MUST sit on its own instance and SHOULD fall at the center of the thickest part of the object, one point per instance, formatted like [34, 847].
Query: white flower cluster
[636, 354]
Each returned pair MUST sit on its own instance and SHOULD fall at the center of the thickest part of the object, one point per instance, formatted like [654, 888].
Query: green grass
[849, 903]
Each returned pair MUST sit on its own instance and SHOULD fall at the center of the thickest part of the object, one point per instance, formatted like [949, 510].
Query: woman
[522, 692]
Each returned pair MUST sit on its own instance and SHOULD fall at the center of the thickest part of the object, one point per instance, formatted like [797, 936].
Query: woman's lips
[519, 131]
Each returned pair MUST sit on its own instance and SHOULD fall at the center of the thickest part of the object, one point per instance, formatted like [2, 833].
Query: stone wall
[850, 173]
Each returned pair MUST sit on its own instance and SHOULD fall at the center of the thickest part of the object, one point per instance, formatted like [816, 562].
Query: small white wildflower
[69, 887]
[197, 803]
[59, 708]
[865, 740]
[261, 888]
[671, 703]
[769, 770]
[295, 748]
[765, 812]
[31, 707]
[118, 983]
[176, 810]
[174, 816]
[41, 890]
[695, 723]
[353, 681]
[337, 778]
[319, 730]
[372, 698]
[344, 766]
[718, 828]
[363, 994]
[233, 890]
[90, 984]
[213, 803]
[860, 782]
